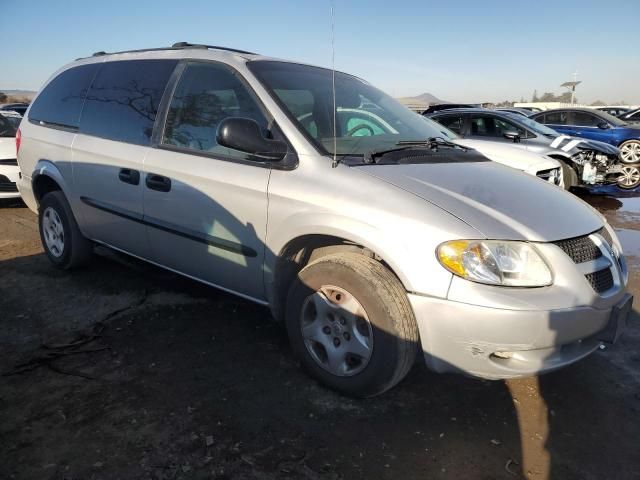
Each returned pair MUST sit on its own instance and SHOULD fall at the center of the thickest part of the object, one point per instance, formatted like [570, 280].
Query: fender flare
[48, 169]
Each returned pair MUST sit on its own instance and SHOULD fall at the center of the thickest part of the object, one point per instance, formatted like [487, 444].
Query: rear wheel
[630, 151]
[61, 238]
[351, 325]
[630, 177]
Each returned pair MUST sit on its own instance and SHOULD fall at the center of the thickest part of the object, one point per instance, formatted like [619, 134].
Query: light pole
[572, 87]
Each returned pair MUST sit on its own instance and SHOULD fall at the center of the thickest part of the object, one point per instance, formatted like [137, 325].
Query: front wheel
[351, 324]
[629, 178]
[630, 151]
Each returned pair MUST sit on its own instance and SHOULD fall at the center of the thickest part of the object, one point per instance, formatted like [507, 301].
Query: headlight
[495, 262]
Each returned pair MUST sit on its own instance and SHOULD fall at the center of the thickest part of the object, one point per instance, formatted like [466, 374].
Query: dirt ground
[183, 381]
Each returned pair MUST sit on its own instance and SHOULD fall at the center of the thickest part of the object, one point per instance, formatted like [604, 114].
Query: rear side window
[556, 118]
[207, 94]
[60, 103]
[123, 101]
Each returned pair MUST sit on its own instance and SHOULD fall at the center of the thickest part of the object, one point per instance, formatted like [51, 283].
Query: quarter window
[207, 94]
[123, 101]
[60, 103]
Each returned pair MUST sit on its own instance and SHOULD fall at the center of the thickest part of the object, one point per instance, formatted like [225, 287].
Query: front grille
[583, 249]
[580, 249]
[7, 185]
[600, 281]
[9, 161]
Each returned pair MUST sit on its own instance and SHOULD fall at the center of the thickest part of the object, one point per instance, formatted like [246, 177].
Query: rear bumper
[495, 343]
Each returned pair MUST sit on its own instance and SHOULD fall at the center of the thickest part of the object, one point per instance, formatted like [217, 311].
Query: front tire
[569, 175]
[630, 151]
[351, 324]
[629, 178]
[63, 243]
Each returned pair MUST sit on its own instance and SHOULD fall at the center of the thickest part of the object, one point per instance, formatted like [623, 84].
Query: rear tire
[383, 332]
[61, 238]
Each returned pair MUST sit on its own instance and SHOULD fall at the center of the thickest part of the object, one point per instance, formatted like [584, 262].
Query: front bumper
[496, 343]
[8, 180]
[499, 332]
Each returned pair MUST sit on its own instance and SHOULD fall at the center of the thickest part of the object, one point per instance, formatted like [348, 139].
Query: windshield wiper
[433, 143]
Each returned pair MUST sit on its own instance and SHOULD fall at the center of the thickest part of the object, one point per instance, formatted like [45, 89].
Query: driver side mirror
[515, 136]
[603, 125]
[245, 135]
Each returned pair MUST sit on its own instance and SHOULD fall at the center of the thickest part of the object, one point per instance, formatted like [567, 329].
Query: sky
[463, 51]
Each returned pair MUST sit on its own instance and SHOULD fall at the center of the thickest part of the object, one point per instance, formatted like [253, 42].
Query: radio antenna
[333, 89]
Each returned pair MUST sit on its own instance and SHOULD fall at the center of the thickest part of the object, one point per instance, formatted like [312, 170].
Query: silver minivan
[267, 179]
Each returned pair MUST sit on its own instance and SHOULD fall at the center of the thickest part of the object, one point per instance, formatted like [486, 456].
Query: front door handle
[127, 175]
[158, 182]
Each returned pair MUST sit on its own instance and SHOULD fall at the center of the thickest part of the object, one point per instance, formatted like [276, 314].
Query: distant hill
[25, 93]
[429, 98]
[421, 102]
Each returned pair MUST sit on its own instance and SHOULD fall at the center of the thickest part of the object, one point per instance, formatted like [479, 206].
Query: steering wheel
[360, 127]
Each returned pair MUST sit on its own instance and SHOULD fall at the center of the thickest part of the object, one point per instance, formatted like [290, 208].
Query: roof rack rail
[175, 46]
[214, 47]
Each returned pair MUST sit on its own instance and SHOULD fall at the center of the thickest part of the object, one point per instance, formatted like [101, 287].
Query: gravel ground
[183, 381]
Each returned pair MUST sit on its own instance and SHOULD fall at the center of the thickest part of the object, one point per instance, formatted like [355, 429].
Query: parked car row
[595, 125]
[583, 162]
[374, 234]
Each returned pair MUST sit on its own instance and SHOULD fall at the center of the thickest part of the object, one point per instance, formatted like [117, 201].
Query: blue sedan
[595, 125]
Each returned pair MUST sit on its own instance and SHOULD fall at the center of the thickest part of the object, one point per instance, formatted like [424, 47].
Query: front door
[205, 206]
[586, 126]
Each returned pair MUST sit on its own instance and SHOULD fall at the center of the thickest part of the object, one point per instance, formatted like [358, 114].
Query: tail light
[18, 141]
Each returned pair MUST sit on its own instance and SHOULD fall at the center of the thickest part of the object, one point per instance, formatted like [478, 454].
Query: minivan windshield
[366, 119]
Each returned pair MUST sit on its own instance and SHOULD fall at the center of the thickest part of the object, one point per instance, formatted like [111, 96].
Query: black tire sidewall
[57, 202]
[384, 360]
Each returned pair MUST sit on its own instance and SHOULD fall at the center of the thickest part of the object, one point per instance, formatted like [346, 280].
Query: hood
[572, 145]
[499, 202]
[510, 154]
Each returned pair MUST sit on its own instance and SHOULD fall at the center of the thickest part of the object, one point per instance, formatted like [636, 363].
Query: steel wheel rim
[629, 176]
[336, 331]
[53, 232]
[630, 152]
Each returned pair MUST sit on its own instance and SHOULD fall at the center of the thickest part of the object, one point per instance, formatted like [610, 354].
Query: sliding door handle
[158, 182]
[127, 175]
